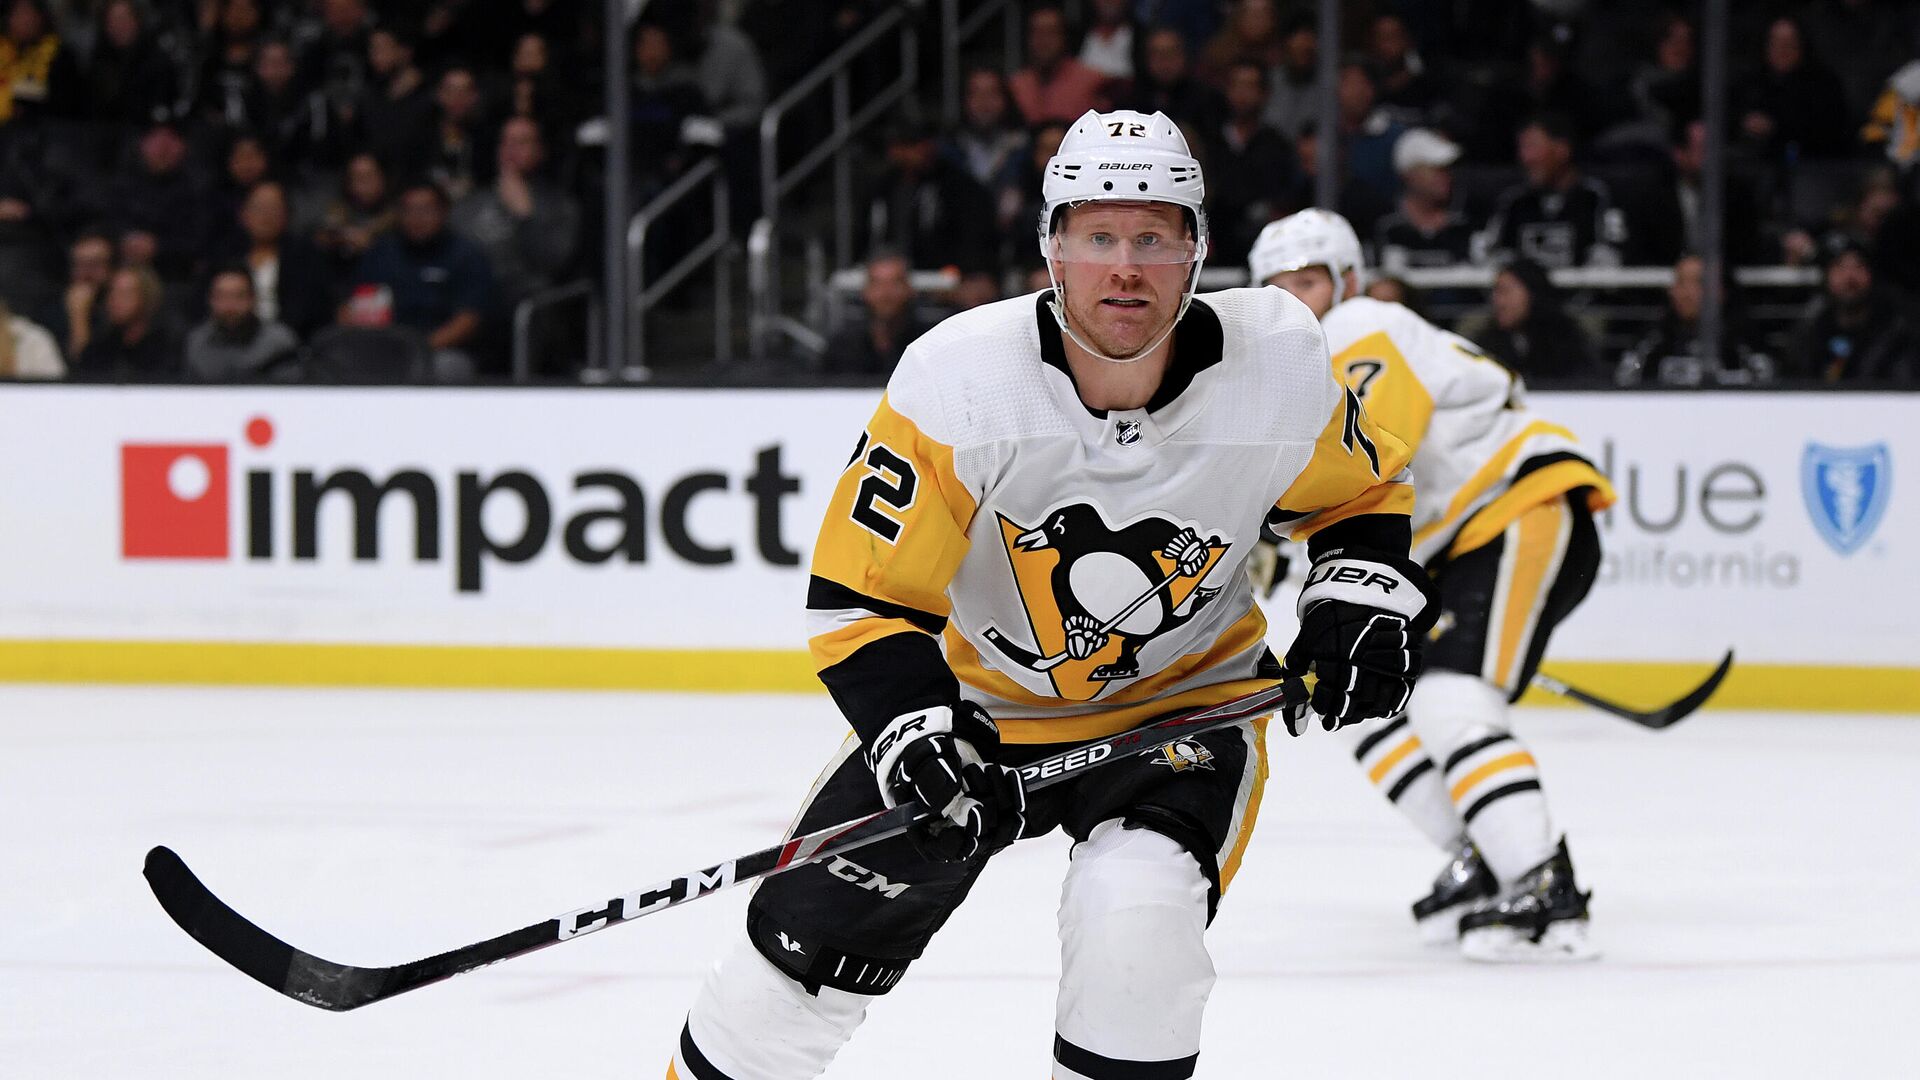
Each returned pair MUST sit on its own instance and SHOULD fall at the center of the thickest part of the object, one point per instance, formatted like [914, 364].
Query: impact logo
[1094, 594]
[173, 501]
[1184, 756]
[1846, 491]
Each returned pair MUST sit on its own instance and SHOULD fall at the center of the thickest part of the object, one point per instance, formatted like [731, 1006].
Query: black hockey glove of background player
[1364, 617]
[938, 758]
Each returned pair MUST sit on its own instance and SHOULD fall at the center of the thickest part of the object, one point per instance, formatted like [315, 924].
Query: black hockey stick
[1033, 661]
[1657, 718]
[339, 987]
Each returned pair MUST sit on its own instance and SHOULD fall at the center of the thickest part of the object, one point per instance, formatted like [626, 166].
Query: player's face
[1312, 285]
[1124, 268]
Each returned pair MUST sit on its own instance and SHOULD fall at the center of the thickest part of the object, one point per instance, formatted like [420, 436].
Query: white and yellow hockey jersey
[1078, 570]
[1482, 457]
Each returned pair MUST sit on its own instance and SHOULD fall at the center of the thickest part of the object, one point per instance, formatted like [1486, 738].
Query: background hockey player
[1039, 540]
[1504, 522]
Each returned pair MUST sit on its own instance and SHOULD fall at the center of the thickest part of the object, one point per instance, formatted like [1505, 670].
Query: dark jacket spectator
[1793, 105]
[1166, 83]
[331, 50]
[1558, 218]
[1669, 355]
[292, 282]
[434, 280]
[1251, 170]
[38, 74]
[1368, 133]
[82, 313]
[1549, 84]
[873, 345]
[293, 122]
[665, 95]
[459, 154]
[1668, 224]
[235, 343]
[1857, 331]
[930, 209]
[989, 143]
[161, 199]
[1401, 76]
[130, 80]
[730, 75]
[29, 228]
[1253, 32]
[1666, 89]
[1360, 203]
[1530, 331]
[394, 118]
[528, 228]
[1424, 230]
[538, 90]
[1294, 93]
[228, 67]
[1863, 41]
[1054, 85]
[134, 346]
[356, 216]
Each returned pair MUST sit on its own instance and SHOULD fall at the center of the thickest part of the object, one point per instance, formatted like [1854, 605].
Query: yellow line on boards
[1830, 688]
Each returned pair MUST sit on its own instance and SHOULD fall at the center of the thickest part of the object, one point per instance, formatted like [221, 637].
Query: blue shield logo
[1846, 491]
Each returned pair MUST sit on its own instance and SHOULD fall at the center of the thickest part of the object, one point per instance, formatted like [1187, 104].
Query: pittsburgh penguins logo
[1095, 594]
[1183, 756]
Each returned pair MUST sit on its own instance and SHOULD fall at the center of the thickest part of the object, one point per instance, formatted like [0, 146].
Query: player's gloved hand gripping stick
[339, 987]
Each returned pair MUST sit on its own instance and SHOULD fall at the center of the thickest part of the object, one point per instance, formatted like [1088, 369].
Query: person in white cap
[1424, 229]
[1503, 521]
[1040, 540]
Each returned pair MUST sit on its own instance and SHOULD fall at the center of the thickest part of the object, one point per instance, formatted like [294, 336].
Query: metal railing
[525, 310]
[776, 183]
[707, 171]
[957, 29]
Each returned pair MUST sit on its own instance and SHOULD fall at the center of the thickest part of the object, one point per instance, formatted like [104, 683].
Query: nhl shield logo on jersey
[1846, 490]
[1183, 756]
[1095, 594]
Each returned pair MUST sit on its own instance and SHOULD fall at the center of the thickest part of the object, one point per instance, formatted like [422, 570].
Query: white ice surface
[1756, 879]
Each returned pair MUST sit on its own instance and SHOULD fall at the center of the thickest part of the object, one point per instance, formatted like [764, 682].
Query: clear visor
[1112, 249]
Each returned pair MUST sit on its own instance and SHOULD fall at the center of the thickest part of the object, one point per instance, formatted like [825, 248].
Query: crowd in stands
[258, 189]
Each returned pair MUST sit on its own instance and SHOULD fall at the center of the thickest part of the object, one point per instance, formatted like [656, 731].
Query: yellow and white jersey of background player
[991, 524]
[1483, 457]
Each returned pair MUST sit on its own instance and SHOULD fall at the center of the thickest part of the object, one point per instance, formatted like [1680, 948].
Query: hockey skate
[1463, 882]
[1542, 918]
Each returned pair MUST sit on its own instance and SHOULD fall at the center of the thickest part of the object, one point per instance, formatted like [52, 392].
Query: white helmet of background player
[1123, 156]
[1312, 237]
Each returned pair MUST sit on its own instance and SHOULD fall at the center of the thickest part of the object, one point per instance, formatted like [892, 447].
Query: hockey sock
[1135, 974]
[1397, 763]
[751, 1022]
[1490, 775]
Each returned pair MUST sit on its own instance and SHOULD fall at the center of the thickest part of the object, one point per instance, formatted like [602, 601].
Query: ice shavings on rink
[1754, 887]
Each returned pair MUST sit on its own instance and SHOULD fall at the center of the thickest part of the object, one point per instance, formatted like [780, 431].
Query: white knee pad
[751, 1022]
[1449, 710]
[1135, 973]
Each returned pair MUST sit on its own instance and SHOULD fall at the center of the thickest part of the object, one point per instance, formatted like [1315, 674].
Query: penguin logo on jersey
[1094, 594]
[1184, 756]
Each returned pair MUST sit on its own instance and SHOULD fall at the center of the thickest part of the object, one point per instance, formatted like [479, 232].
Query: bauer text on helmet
[1312, 237]
[1122, 158]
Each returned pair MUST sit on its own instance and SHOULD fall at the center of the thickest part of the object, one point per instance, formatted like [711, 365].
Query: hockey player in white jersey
[1039, 540]
[1503, 520]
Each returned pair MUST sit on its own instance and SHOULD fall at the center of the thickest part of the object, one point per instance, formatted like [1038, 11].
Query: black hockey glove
[937, 758]
[1364, 617]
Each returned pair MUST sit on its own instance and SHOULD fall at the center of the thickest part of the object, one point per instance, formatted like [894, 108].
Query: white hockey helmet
[1124, 156]
[1312, 237]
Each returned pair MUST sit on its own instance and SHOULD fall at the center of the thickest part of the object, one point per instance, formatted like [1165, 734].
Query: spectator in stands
[729, 72]
[1670, 354]
[1666, 90]
[1054, 85]
[134, 346]
[1424, 229]
[457, 154]
[1529, 329]
[130, 79]
[333, 51]
[235, 343]
[873, 346]
[664, 97]
[1864, 41]
[1251, 169]
[1893, 127]
[1400, 74]
[439, 283]
[1294, 93]
[1166, 84]
[1857, 331]
[1669, 223]
[247, 166]
[1360, 203]
[1558, 217]
[161, 207]
[1252, 33]
[292, 282]
[1880, 218]
[28, 244]
[357, 216]
[83, 309]
[1793, 106]
[1112, 41]
[38, 74]
[27, 350]
[394, 117]
[1550, 85]
[231, 31]
[1043, 141]
[989, 144]
[1368, 133]
[528, 228]
[928, 208]
[293, 122]
[537, 91]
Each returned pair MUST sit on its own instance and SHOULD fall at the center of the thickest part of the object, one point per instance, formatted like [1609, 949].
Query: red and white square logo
[173, 501]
